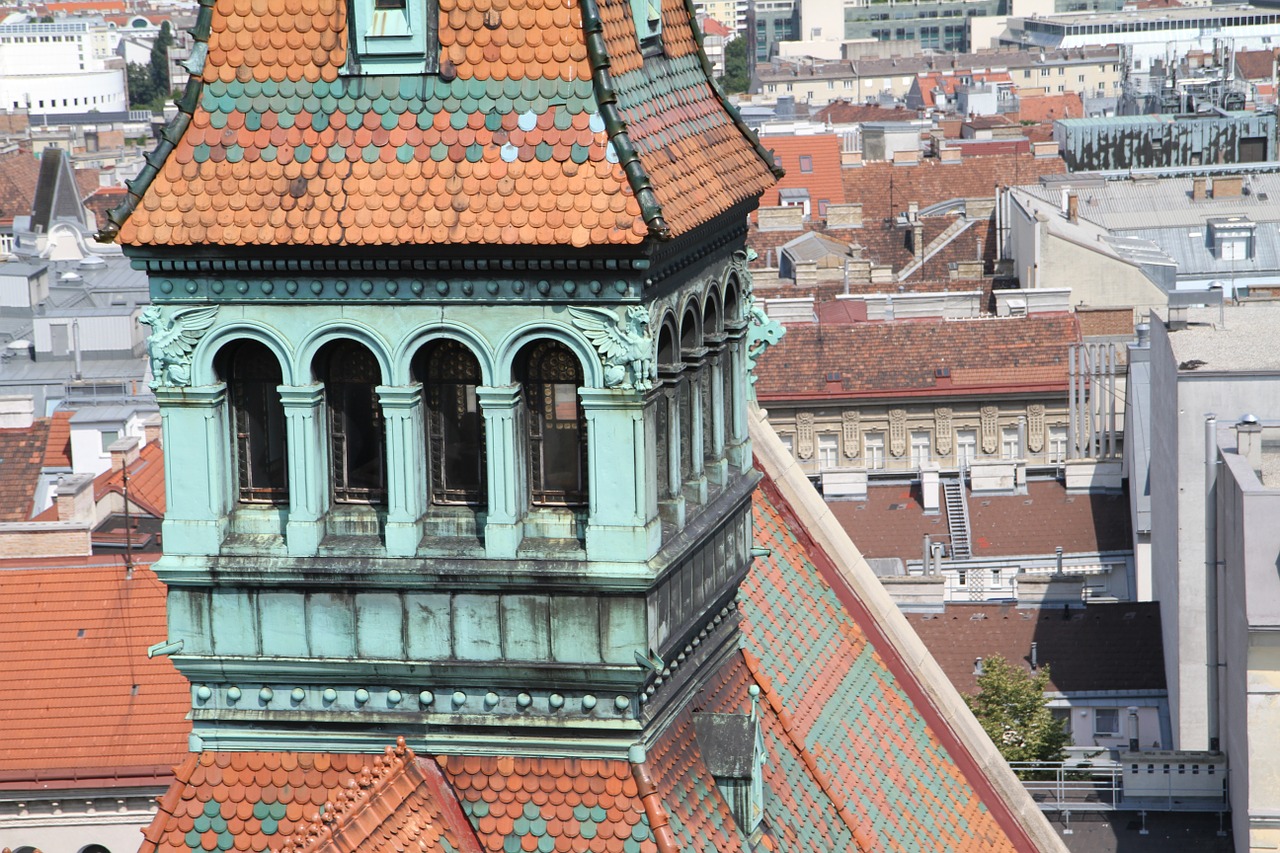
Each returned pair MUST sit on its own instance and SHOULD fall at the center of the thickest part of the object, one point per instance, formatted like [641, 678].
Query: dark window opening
[357, 433]
[253, 377]
[557, 427]
[450, 375]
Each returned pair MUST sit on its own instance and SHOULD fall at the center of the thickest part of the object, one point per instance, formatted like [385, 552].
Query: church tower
[451, 330]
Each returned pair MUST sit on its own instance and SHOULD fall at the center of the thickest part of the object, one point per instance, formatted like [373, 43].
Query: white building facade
[56, 69]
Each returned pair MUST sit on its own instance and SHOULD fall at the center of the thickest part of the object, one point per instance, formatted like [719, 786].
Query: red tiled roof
[885, 189]
[904, 357]
[92, 706]
[712, 27]
[843, 112]
[891, 522]
[508, 145]
[57, 450]
[1040, 108]
[688, 793]
[146, 481]
[19, 171]
[1076, 645]
[22, 454]
[1256, 65]
[822, 179]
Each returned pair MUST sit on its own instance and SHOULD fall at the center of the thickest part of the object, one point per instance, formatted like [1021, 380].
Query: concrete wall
[1249, 540]
[1096, 279]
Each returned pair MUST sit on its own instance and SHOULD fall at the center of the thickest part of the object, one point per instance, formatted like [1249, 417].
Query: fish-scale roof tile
[508, 144]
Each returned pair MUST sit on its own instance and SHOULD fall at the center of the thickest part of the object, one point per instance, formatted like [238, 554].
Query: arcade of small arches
[444, 438]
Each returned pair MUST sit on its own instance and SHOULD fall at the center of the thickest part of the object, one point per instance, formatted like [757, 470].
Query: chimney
[1073, 208]
[1227, 186]
[1198, 189]
[124, 451]
[75, 498]
[151, 429]
[16, 412]
[1249, 441]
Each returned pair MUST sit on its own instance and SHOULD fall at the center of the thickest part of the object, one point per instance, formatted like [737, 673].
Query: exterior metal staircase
[957, 518]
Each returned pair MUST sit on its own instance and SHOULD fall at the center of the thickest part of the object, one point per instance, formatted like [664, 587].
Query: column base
[739, 456]
[501, 541]
[672, 512]
[402, 538]
[609, 542]
[718, 472]
[695, 489]
[302, 538]
[195, 538]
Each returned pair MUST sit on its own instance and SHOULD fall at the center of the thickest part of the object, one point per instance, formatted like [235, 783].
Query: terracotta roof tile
[822, 178]
[699, 815]
[867, 728]
[22, 453]
[844, 112]
[85, 627]
[19, 172]
[1039, 108]
[146, 481]
[1070, 646]
[281, 149]
[904, 356]
[57, 450]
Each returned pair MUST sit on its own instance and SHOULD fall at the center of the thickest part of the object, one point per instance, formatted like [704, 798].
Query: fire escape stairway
[957, 518]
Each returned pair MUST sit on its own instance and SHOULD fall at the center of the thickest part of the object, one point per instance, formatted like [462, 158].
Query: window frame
[459, 381]
[541, 404]
[409, 41]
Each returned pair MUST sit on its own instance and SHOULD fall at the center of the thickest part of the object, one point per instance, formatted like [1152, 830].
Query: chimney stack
[124, 451]
[1073, 208]
[75, 498]
[1198, 189]
[1227, 186]
[151, 427]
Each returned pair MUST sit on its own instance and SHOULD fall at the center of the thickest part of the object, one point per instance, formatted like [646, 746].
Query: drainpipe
[1211, 574]
[75, 343]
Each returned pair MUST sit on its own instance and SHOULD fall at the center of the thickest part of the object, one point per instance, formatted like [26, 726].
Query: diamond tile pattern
[838, 697]
[551, 804]
[508, 146]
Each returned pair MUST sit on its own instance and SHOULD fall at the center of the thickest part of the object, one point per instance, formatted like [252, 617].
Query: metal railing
[1097, 786]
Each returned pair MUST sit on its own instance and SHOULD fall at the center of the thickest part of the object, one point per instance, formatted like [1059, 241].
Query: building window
[966, 446]
[1106, 722]
[109, 437]
[647, 15]
[393, 37]
[1063, 717]
[828, 450]
[253, 377]
[454, 425]
[1057, 444]
[806, 163]
[873, 449]
[557, 427]
[920, 454]
[357, 433]
[1010, 447]
[789, 442]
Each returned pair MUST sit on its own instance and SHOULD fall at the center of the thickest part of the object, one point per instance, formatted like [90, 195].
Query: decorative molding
[625, 346]
[1035, 427]
[804, 435]
[289, 286]
[762, 333]
[849, 422]
[174, 335]
[897, 431]
[988, 416]
[942, 431]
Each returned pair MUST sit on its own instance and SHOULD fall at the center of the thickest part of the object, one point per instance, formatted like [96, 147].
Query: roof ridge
[787, 723]
[166, 805]
[654, 810]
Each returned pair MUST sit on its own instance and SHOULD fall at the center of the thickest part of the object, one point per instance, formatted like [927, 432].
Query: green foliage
[142, 90]
[735, 77]
[160, 60]
[1012, 710]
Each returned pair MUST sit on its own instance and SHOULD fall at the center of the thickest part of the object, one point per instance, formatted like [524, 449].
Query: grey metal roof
[814, 247]
[19, 268]
[105, 414]
[1142, 203]
[1190, 249]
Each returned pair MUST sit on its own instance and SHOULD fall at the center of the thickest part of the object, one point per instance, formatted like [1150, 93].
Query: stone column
[697, 483]
[737, 445]
[505, 468]
[718, 466]
[200, 492]
[309, 490]
[672, 502]
[621, 486]
[406, 467]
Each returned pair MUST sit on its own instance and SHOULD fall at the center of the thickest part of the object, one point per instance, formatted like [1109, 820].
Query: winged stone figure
[173, 340]
[625, 347]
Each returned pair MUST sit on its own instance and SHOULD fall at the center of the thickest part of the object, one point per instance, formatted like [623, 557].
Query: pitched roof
[19, 171]
[1067, 642]
[1256, 64]
[57, 449]
[22, 452]
[822, 178]
[516, 140]
[146, 481]
[904, 357]
[74, 638]
[843, 112]
[891, 522]
[1048, 107]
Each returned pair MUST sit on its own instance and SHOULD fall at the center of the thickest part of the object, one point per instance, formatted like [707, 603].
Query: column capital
[399, 396]
[598, 399]
[195, 396]
[303, 396]
[498, 396]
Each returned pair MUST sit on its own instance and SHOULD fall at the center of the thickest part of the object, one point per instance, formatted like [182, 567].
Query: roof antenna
[128, 526]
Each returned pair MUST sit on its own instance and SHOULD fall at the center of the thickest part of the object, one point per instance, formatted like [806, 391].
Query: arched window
[690, 341]
[253, 376]
[449, 374]
[357, 433]
[557, 427]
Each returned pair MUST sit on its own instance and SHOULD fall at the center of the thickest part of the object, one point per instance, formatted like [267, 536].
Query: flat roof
[1245, 343]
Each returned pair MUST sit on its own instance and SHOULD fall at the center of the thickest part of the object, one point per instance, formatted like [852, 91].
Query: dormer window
[1231, 238]
[647, 15]
[392, 37]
